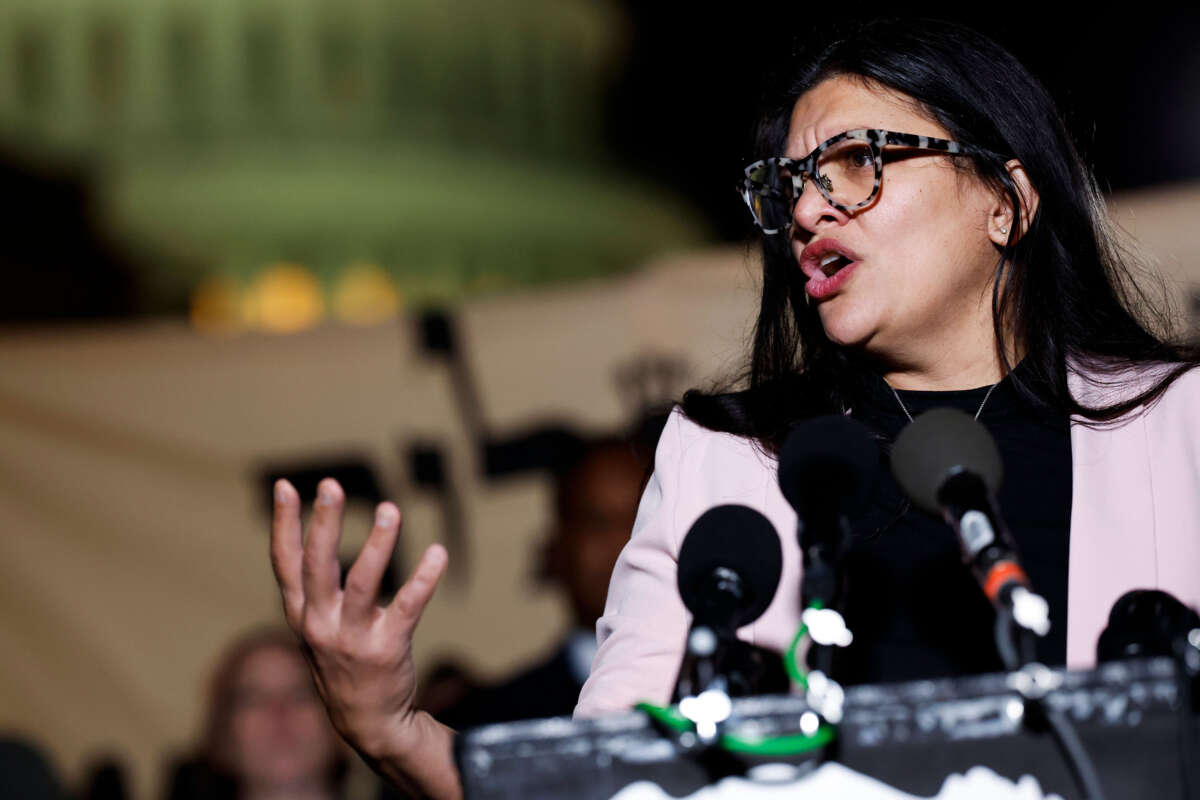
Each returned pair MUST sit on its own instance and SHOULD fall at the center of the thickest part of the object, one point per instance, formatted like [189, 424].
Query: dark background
[1127, 83]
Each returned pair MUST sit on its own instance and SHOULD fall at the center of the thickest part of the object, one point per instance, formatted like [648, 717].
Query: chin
[845, 328]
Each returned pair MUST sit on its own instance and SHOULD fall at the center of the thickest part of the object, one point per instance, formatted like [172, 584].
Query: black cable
[1015, 646]
[1071, 747]
[1185, 739]
[1027, 641]
[1004, 640]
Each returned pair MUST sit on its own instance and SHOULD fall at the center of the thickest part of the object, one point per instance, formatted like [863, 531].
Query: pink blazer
[1135, 523]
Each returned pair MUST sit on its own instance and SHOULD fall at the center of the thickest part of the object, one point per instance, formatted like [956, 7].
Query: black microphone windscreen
[736, 538]
[938, 444]
[1143, 623]
[829, 459]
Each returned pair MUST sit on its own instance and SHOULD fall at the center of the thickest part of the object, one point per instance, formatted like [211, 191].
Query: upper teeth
[830, 258]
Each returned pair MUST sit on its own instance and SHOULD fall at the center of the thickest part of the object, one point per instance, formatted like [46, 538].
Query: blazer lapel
[1112, 523]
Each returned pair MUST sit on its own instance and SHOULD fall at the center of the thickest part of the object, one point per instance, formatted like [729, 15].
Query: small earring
[1004, 230]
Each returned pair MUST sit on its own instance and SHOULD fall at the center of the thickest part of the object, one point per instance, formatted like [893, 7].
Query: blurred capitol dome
[434, 150]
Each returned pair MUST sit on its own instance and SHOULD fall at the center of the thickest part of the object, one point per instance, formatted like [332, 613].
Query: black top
[548, 689]
[915, 609]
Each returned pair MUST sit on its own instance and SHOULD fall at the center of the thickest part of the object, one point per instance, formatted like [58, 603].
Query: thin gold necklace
[906, 504]
[978, 411]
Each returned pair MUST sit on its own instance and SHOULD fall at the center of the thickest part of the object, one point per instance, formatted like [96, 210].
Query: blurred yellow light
[365, 295]
[284, 298]
[216, 306]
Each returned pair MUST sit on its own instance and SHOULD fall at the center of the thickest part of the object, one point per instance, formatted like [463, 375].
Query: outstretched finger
[320, 572]
[414, 595]
[362, 581]
[287, 550]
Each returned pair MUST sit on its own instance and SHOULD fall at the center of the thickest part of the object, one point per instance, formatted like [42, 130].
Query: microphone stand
[821, 582]
[716, 666]
[821, 591]
[1020, 616]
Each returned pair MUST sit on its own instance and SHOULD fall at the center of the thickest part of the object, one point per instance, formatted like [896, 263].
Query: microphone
[1150, 622]
[949, 465]
[728, 570]
[827, 470]
[729, 567]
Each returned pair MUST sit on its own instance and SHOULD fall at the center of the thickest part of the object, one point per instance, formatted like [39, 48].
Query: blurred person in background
[595, 502]
[267, 735]
[445, 684]
[105, 779]
[26, 772]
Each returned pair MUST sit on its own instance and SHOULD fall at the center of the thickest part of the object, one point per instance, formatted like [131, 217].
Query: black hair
[1064, 289]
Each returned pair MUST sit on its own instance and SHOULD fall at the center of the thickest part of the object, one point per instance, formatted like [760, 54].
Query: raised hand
[361, 652]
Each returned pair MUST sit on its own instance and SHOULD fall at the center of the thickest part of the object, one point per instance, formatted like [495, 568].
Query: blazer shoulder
[1179, 406]
[1108, 382]
[1186, 389]
[704, 449]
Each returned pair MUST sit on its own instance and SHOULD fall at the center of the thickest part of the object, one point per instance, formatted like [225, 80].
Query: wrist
[419, 756]
[418, 735]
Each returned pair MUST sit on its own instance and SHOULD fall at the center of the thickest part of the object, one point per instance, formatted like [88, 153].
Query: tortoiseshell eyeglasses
[847, 169]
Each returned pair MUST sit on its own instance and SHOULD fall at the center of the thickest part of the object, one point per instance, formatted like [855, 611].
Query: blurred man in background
[26, 771]
[595, 501]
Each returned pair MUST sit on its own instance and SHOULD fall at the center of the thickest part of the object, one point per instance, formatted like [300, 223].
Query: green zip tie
[790, 664]
[787, 745]
[669, 717]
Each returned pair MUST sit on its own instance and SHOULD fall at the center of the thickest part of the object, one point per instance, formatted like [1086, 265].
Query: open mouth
[822, 261]
[832, 262]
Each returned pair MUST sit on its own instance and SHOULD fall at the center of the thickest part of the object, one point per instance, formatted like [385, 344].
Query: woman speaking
[930, 238]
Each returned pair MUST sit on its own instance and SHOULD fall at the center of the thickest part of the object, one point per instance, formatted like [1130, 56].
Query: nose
[813, 210]
[281, 706]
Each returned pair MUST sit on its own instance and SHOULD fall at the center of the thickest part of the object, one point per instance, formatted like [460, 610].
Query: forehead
[609, 474]
[843, 103]
[271, 665]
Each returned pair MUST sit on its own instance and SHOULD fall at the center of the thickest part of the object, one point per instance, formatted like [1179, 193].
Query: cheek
[309, 729]
[923, 242]
[249, 732]
[595, 559]
[304, 726]
[591, 556]
[316, 724]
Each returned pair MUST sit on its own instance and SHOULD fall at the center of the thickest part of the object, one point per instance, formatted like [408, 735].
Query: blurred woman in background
[267, 735]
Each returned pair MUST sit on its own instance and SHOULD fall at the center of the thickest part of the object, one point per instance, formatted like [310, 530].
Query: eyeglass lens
[845, 175]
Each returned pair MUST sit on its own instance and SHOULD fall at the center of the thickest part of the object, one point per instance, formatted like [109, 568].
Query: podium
[1131, 715]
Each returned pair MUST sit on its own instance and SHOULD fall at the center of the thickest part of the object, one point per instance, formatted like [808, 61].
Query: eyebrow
[824, 139]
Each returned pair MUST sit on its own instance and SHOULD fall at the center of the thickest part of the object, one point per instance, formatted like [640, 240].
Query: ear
[1000, 220]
